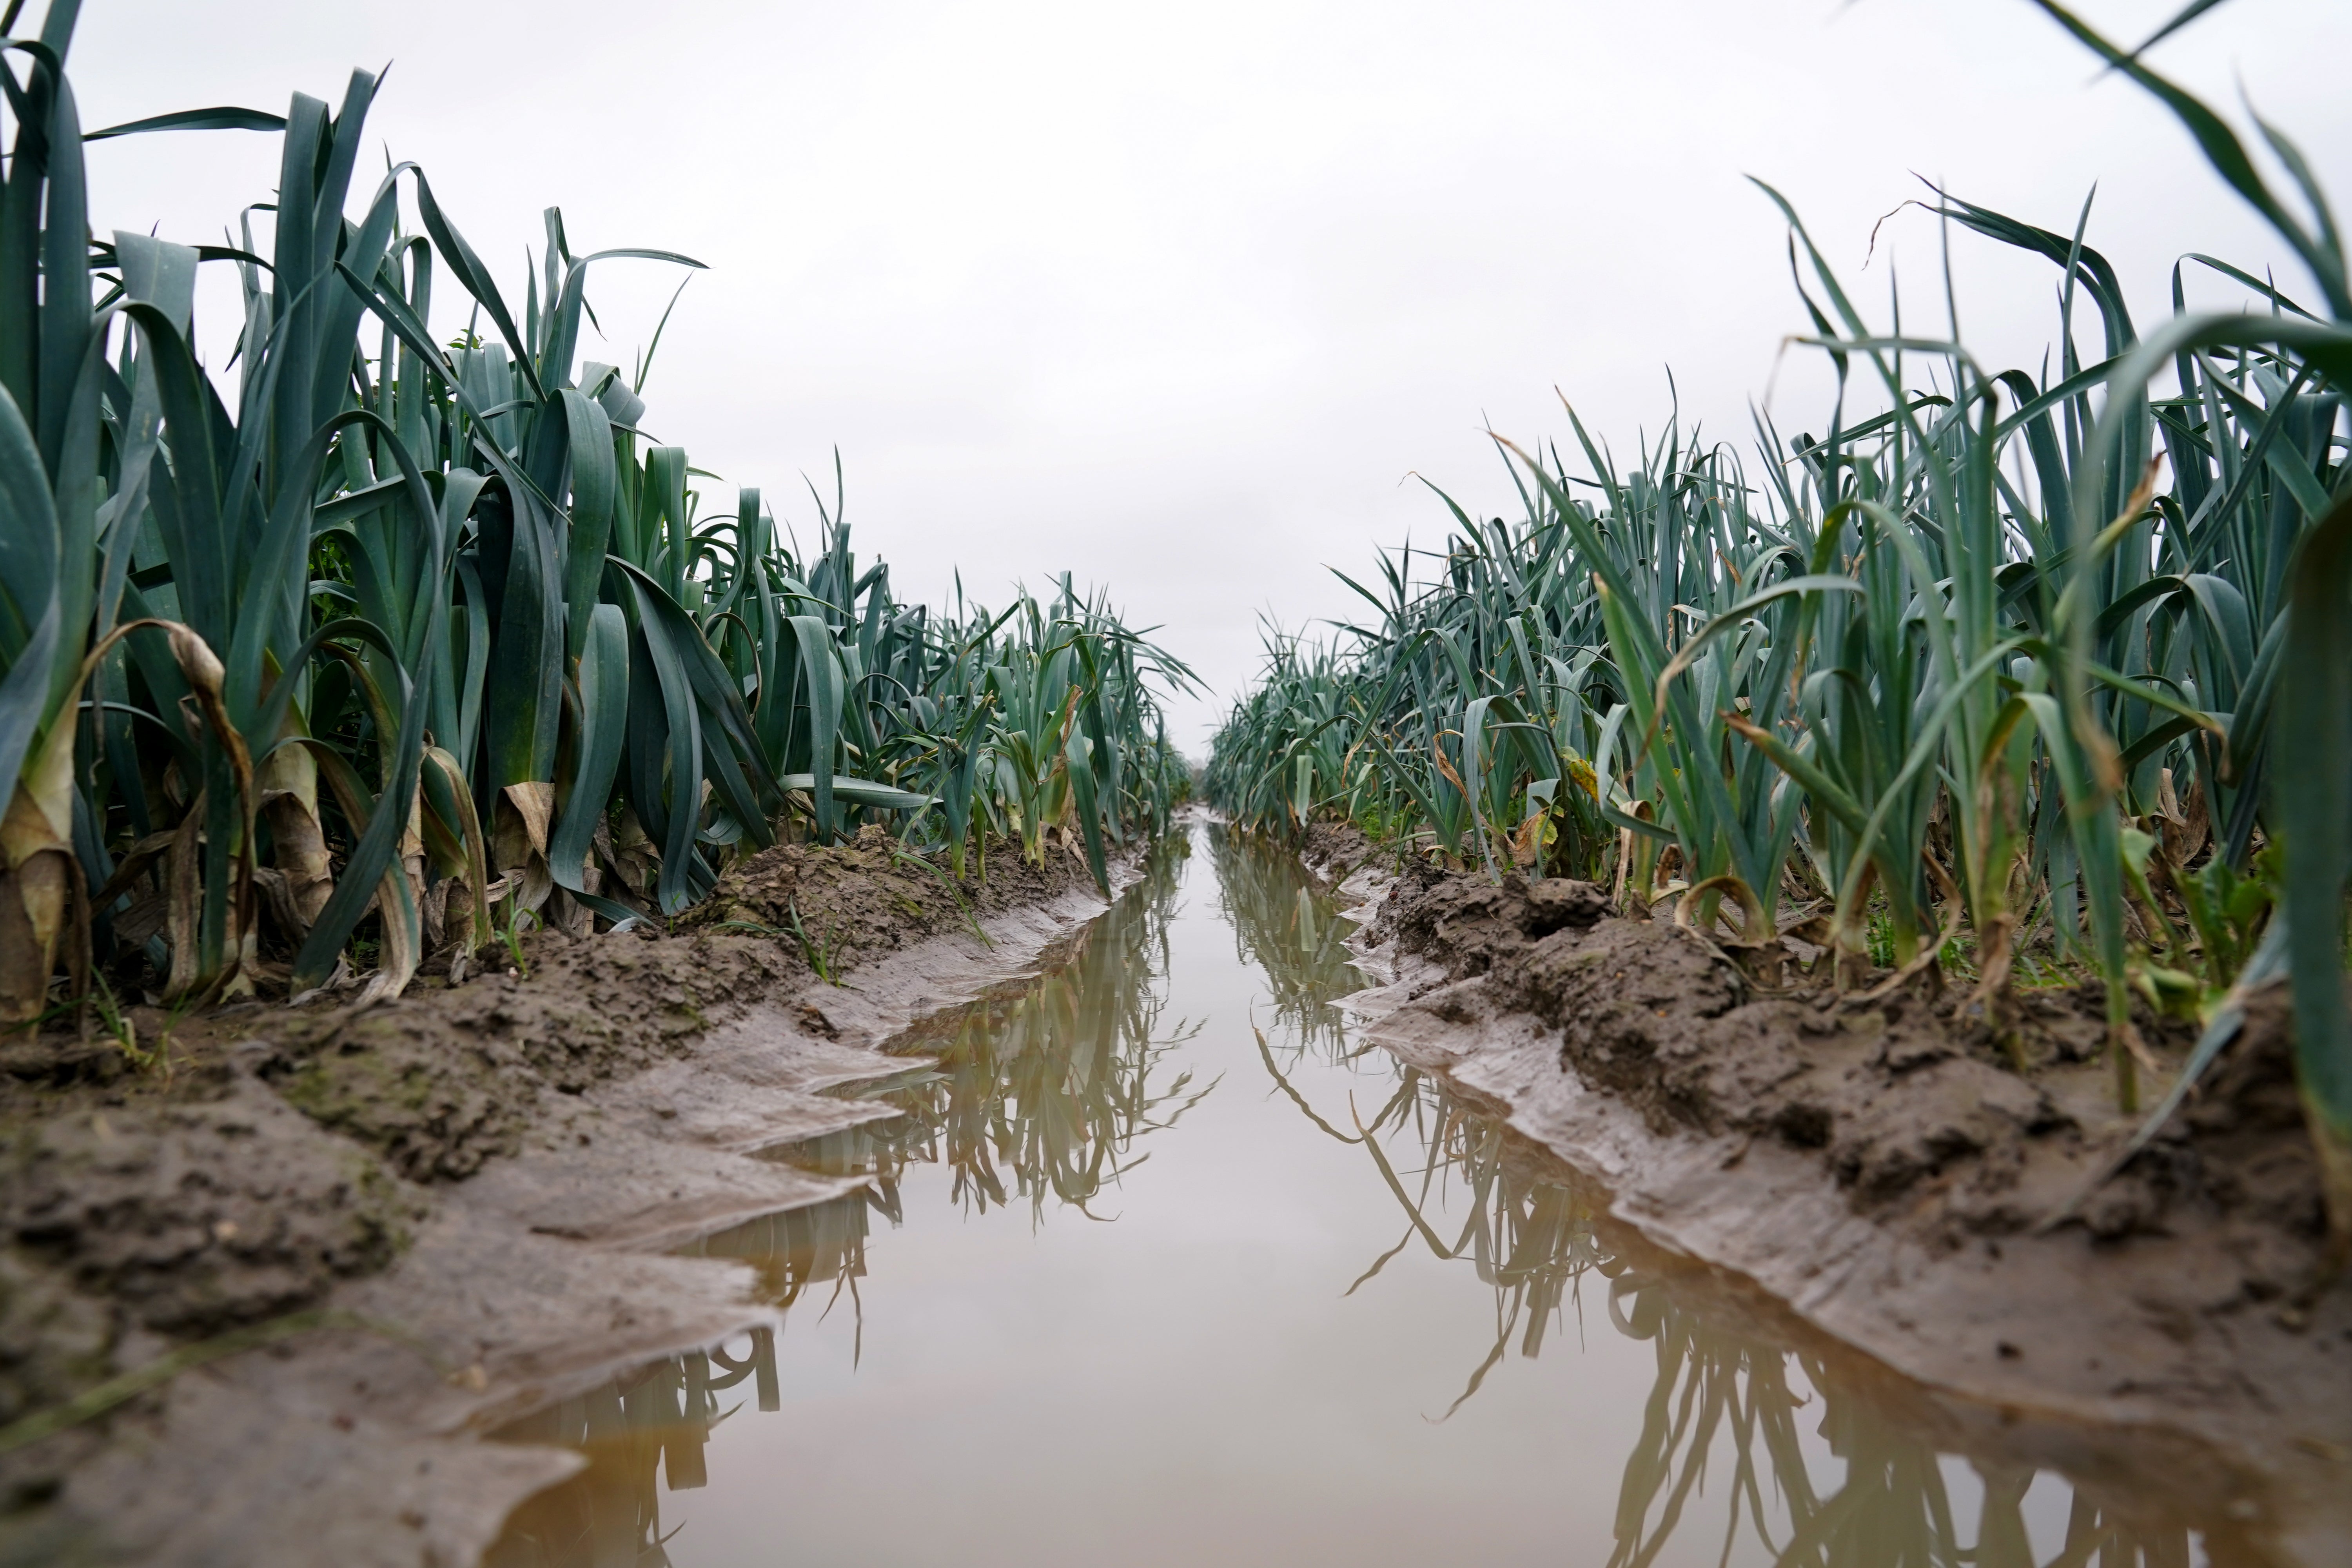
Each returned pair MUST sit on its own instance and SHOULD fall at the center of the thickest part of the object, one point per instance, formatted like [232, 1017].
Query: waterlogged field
[351, 652]
[1158, 1266]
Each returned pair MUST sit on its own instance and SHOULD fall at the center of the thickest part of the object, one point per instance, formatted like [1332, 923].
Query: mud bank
[443, 1212]
[1883, 1172]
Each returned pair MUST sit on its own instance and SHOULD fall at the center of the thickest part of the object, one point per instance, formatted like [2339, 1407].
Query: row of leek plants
[2055, 659]
[409, 644]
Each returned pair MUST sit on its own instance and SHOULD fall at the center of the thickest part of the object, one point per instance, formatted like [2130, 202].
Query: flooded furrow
[1158, 1263]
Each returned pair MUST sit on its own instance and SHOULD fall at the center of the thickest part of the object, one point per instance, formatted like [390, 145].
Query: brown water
[1158, 1268]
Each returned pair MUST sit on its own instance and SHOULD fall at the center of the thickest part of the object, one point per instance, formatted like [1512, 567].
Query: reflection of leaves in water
[1718, 1397]
[1707, 1381]
[1890, 1509]
[1039, 1091]
[1530, 1240]
[1716, 1392]
[1042, 1091]
[1285, 924]
[653, 1422]
[1036, 1090]
[790, 1251]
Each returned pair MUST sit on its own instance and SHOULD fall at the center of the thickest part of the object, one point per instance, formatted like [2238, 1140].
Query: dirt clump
[134, 1213]
[1337, 850]
[1470, 925]
[440, 1083]
[199, 1216]
[872, 896]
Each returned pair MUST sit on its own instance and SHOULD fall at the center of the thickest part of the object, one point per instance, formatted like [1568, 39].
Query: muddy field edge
[1886, 1175]
[415, 1221]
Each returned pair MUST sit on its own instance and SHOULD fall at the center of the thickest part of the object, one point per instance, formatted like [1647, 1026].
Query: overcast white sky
[1176, 296]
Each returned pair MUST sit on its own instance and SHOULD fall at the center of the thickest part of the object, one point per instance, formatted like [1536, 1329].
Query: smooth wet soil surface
[1161, 1264]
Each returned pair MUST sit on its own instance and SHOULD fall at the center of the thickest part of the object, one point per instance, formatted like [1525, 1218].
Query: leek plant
[414, 641]
[1991, 658]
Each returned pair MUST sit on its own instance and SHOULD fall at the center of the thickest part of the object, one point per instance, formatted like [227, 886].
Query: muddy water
[1157, 1267]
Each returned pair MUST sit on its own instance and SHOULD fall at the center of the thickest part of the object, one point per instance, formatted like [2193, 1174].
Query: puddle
[1158, 1267]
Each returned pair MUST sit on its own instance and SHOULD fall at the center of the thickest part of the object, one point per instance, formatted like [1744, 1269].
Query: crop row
[1997, 664]
[412, 644]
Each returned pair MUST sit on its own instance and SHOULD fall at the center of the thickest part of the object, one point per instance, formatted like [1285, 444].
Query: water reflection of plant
[1469, 1191]
[1040, 1090]
[654, 1421]
[1530, 1237]
[790, 1251]
[1890, 1509]
[1037, 1091]
[1531, 1240]
[1285, 924]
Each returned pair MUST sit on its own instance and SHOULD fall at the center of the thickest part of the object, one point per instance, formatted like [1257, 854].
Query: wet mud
[1886, 1171]
[415, 1222]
